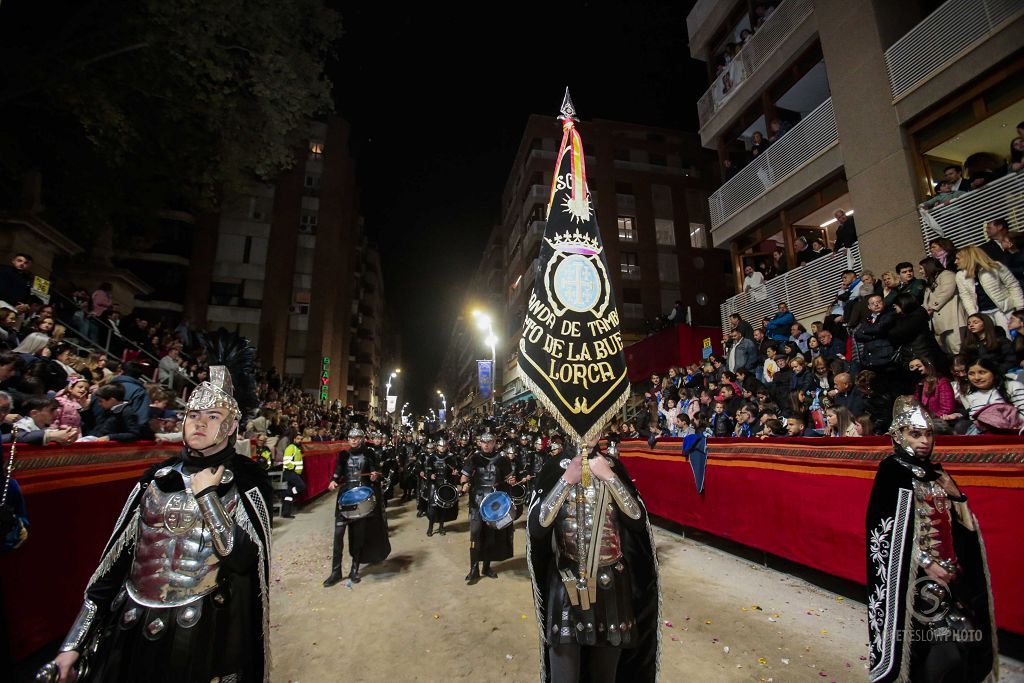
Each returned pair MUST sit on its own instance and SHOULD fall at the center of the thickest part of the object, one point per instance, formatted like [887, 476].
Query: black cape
[893, 572]
[128, 656]
[639, 663]
[368, 537]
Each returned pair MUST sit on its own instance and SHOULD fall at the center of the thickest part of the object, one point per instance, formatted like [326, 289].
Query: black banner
[571, 348]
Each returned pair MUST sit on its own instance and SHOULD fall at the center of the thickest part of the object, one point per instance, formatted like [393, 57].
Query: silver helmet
[907, 412]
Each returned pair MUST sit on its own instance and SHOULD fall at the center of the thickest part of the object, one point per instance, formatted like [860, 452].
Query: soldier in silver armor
[484, 472]
[929, 611]
[358, 466]
[440, 468]
[181, 590]
[595, 601]
[422, 484]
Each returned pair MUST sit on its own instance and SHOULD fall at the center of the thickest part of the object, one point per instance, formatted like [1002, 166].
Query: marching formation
[181, 591]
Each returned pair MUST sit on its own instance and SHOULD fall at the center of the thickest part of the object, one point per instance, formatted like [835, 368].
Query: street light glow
[491, 340]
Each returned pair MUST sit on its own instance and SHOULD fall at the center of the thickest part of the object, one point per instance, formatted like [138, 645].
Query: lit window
[627, 228]
[316, 150]
[629, 265]
[698, 236]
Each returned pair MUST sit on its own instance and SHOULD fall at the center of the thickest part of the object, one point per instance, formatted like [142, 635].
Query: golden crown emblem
[575, 242]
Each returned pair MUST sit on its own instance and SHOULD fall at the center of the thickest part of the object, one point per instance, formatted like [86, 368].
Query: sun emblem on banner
[575, 278]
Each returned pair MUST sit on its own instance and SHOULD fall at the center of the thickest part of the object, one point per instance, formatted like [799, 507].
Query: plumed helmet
[356, 433]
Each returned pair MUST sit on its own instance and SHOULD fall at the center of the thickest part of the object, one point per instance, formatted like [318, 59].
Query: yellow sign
[41, 285]
[707, 342]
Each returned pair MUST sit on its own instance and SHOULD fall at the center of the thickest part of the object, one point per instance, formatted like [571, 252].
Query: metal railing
[808, 290]
[758, 48]
[804, 142]
[963, 219]
[951, 30]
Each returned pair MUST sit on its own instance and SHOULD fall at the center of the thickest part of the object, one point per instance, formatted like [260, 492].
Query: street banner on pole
[485, 375]
[392, 404]
[570, 352]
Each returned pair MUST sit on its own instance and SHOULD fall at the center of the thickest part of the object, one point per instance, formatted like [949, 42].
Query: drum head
[446, 496]
[494, 506]
[518, 493]
[356, 495]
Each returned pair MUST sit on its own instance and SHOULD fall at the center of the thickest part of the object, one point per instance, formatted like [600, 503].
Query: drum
[496, 509]
[519, 494]
[446, 496]
[357, 503]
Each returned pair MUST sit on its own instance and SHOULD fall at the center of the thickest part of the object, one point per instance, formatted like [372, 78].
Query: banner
[485, 376]
[706, 349]
[441, 415]
[392, 404]
[570, 352]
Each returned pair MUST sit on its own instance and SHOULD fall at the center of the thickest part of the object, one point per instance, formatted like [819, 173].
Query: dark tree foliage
[127, 107]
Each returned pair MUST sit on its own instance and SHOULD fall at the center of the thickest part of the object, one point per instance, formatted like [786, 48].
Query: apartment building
[291, 268]
[875, 100]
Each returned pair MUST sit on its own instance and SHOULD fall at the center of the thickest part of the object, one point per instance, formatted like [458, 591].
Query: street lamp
[387, 387]
[484, 324]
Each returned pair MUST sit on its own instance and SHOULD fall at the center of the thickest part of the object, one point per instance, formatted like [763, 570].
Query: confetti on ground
[726, 649]
[708, 622]
[668, 623]
[675, 638]
[762, 660]
[757, 607]
[824, 631]
[437, 616]
[508, 657]
[785, 661]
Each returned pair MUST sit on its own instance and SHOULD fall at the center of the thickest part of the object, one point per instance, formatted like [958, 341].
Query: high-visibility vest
[293, 458]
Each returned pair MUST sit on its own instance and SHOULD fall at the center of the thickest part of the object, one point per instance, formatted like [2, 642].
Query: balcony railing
[762, 45]
[947, 33]
[963, 220]
[533, 234]
[805, 141]
[808, 290]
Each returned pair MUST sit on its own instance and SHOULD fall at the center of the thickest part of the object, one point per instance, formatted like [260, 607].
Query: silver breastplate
[569, 521]
[354, 471]
[174, 562]
[488, 474]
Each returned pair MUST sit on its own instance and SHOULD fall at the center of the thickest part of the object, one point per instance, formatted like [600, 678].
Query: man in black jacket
[16, 281]
[847, 395]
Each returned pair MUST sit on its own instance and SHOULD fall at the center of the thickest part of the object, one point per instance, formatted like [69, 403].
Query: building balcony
[533, 234]
[808, 290]
[944, 37]
[779, 41]
[963, 220]
[805, 143]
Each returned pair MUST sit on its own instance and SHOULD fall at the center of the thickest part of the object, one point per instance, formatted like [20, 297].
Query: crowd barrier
[806, 499]
[800, 499]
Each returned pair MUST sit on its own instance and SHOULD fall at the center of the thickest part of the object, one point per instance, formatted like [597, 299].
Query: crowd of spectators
[71, 369]
[949, 331]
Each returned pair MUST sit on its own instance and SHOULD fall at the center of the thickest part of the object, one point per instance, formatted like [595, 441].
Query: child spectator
[72, 400]
[994, 404]
[721, 424]
[113, 422]
[38, 413]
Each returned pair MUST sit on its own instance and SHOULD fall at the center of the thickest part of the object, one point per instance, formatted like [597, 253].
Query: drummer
[358, 466]
[423, 484]
[484, 472]
[440, 470]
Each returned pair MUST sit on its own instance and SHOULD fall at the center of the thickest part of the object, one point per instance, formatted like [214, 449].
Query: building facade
[874, 101]
[292, 269]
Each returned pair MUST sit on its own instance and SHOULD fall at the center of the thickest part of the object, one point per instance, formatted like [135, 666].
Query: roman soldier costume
[367, 536]
[439, 470]
[181, 590]
[485, 473]
[929, 601]
[592, 560]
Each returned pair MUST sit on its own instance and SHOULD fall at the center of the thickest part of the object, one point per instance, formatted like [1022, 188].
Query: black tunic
[899, 644]
[231, 634]
[638, 662]
[440, 466]
[367, 537]
[487, 473]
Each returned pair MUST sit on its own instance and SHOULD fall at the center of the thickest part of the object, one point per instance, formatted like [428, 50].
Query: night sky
[438, 101]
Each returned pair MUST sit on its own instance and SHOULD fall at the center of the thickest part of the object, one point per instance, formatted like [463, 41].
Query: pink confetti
[675, 638]
[823, 674]
[668, 623]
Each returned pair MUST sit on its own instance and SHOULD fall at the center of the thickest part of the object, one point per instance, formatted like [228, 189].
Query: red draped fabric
[806, 499]
[318, 459]
[676, 346]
